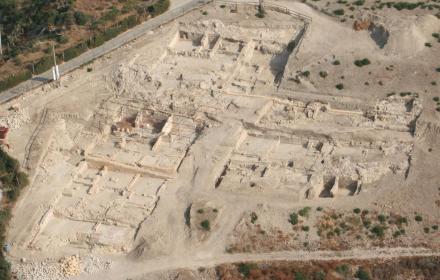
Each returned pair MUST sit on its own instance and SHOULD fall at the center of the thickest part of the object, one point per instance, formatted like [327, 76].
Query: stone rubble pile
[15, 120]
[70, 266]
[38, 271]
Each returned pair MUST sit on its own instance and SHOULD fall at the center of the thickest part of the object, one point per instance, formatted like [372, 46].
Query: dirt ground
[225, 138]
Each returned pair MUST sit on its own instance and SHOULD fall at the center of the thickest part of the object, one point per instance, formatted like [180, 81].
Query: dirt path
[127, 269]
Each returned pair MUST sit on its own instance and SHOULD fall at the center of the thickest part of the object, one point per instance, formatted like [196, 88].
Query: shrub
[356, 210]
[339, 12]
[435, 227]
[300, 276]
[319, 275]
[305, 228]
[366, 223]
[62, 39]
[254, 217]
[222, 6]
[17, 61]
[293, 219]
[43, 64]
[74, 51]
[336, 62]
[343, 269]
[418, 218]
[323, 74]
[405, 93]
[402, 220]
[426, 229]
[112, 32]
[205, 225]
[96, 40]
[405, 6]
[245, 268]
[127, 8]
[205, 13]
[340, 86]
[304, 212]
[319, 208]
[80, 18]
[200, 211]
[5, 268]
[378, 230]
[436, 35]
[111, 15]
[362, 62]
[382, 218]
[305, 73]
[429, 45]
[437, 69]
[359, 2]
[159, 7]
[362, 274]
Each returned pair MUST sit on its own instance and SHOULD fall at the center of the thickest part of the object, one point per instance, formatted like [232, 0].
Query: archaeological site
[239, 140]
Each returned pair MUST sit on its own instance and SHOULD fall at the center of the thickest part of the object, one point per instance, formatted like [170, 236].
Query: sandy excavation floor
[224, 137]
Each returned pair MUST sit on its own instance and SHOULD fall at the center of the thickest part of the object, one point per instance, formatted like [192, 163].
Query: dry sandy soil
[222, 138]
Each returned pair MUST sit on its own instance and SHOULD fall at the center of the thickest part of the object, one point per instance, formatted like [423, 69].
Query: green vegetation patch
[362, 274]
[339, 12]
[359, 2]
[13, 181]
[206, 225]
[254, 217]
[293, 218]
[304, 212]
[246, 268]
[362, 62]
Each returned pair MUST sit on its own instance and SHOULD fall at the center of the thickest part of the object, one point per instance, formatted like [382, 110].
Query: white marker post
[55, 69]
[57, 72]
[54, 75]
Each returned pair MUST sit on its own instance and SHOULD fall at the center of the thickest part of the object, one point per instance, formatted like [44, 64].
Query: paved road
[180, 9]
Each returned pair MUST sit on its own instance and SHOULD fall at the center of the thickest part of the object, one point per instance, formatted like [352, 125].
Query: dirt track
[131, 270]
